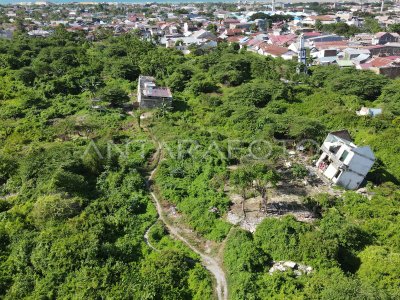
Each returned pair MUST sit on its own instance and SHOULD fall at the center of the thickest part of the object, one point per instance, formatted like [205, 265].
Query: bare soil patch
[285, 199]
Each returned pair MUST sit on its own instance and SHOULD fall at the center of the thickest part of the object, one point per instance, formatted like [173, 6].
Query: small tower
[302, 56]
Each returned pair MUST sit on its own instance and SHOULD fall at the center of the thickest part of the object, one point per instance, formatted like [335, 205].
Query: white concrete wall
[340, 152]
[330, 171]
[139, 95]
[360, 164]
[349, 180]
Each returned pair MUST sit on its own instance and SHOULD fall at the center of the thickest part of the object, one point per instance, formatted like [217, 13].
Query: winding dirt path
[209, 262]
[146, 237]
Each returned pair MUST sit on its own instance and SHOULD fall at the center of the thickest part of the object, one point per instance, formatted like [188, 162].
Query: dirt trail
[146, 237]
[209, 262]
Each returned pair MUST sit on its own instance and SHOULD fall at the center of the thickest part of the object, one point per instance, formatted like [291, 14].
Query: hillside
[76, 213]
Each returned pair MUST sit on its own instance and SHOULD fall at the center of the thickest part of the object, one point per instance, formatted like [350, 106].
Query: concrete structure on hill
[149, 95]
[344, 163]
[371, 112]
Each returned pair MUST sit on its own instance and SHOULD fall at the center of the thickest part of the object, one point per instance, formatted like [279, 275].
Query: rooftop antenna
[302, 59]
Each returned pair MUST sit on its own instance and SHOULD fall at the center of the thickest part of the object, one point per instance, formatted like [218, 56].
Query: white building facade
[149, 95]
[344, 163]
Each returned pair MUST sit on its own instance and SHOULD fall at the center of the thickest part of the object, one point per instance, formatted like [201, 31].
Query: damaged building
[344, 163]
[149, 95]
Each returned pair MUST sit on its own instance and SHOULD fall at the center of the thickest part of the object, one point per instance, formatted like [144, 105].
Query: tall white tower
[383, 2]
[302, 56]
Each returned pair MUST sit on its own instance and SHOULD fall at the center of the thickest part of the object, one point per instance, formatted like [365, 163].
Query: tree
[366, 84]
[120, 68]
[199, 84]
[244, 260]
[55, 208]
[242, 179]
[259, 15]
[379, 267]
[232, 70]
[114, 95]
[264, 178]
[259, 94]
[212, 28]
[27, 75]
[318, 25]
[372, 25]
[163, 109]
[394, 28]
[165, 275]
[19, 25]
[299, 171]
[253, 27]
[179, 79]
[281, 237]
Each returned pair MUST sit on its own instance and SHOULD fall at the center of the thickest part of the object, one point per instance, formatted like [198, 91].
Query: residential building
[325, 19]
[382, 38]
[351, 53]
[276, 51]
[388, 66]
[149, 95]
[344, 163]
[371, 112]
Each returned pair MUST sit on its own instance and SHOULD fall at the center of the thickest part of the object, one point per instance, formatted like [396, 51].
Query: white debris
[214, 210]
[283, 266]
[233, 218]
[290, 264]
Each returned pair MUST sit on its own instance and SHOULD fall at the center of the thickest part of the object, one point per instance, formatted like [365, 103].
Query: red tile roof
[231, 21]
[254, 42]
[273, 49]
[236, 38]
[236, 31]
[323, 17]
[334, 44]
[281, 40]
[311, 34]
[382, 61]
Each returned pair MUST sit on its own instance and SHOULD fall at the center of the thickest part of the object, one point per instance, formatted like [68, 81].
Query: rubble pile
[283, 266]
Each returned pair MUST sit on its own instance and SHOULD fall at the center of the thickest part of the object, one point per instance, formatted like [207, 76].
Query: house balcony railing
[337, 162]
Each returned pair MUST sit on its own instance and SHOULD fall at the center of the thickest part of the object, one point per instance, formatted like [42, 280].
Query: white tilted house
[343, 162]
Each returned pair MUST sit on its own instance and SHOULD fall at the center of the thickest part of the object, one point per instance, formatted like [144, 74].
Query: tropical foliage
[74, 203]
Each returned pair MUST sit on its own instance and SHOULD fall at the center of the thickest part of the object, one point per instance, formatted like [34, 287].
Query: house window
[337, 174]
[344, 155]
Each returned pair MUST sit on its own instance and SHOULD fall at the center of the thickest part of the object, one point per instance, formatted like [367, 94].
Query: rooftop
[273, 49]
[151, 90]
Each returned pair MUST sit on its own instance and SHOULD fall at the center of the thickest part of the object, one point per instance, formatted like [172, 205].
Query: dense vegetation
[73, 210]
[72, 221]
[229, 95]
[370, 25]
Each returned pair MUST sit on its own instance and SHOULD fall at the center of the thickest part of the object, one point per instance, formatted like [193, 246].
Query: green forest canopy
[72, 222]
